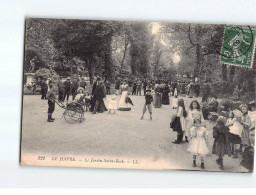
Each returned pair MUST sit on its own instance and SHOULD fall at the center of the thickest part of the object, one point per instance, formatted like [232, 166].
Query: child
[221, 145]
[80, 93]
[51, 95]
[230, 121]
[148, 105]
[87, 101]
[179, 123]
[197, 145]
[194, 111]
[112, 105]
[235, 130]
[246, 123]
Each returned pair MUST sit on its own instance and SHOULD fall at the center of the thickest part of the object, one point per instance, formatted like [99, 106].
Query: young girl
[194, 111]
[112, 104]
[221, 145]
[179, 123]
[230, 121]
[246, 123]
[198, 143]
[235, 130]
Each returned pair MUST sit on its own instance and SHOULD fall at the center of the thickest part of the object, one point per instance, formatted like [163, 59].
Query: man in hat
[98, 95]
[117, 85]
[147, 105]
[67, 85]
[51, 103]
[61, 90]
[44, 88]
[107, 84]
[74, 87]
[138, 87]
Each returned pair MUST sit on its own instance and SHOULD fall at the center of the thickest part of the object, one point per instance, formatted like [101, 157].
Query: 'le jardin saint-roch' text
[93, 160]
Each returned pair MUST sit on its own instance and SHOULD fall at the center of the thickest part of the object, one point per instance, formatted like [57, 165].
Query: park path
[120, 135]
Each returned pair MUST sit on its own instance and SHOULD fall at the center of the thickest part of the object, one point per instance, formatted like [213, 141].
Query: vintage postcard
[138, 95]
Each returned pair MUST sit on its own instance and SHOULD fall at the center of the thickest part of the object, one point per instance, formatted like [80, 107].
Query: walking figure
[147, 105]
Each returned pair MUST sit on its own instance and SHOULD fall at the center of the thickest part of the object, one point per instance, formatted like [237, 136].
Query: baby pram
[74, 111]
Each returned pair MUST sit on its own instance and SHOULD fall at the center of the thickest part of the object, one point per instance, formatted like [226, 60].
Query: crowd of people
[233, 132]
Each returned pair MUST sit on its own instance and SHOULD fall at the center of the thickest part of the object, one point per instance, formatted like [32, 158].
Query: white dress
[124, 91]
[192, 114]
[197, 145]
[112, 103]
[182, 119]
[236, 128]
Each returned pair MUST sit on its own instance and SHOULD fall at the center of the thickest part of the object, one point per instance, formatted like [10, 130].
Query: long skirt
[165, 99]
[122, 103]
[158, 101]
[176, 125]
[245, 137]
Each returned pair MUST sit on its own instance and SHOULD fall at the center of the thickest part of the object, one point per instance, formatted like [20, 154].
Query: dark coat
[44, 88]
[75, 86]
[67, 86]
[99, 92]
[221, 145]
[117, 85]
[83, 83]
[165, 96]
[61, 87]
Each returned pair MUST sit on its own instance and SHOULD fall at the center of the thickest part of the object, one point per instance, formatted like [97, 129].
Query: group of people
[65, 88]
[231, 133]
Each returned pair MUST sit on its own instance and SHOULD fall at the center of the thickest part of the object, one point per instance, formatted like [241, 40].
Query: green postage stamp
[238, 46]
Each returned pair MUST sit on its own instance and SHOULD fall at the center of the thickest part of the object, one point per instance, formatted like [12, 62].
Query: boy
[51, 103]
[148, 105]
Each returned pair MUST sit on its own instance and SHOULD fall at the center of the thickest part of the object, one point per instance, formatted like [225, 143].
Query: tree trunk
[125, 48]
[90, 68]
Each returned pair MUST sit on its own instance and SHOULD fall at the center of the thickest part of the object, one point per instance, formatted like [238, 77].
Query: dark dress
[165, 96]
[248, 158]
[221, 145]
[176, 125]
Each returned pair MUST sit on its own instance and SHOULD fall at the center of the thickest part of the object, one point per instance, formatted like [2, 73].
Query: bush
[223, 88]
[44, 73]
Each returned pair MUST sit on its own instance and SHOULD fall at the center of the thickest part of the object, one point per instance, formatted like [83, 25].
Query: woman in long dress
[123, 106]
[165, 97]
[158, 99]
[191, 90]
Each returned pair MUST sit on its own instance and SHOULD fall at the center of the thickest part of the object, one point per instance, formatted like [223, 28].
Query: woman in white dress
[123, 106]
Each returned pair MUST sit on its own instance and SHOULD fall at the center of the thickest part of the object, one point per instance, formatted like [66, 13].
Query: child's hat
[148, 90]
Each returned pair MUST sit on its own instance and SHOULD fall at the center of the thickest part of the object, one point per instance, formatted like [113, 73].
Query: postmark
[238, 46]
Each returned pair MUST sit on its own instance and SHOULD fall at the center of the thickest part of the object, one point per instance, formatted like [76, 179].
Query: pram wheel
[74, 114]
